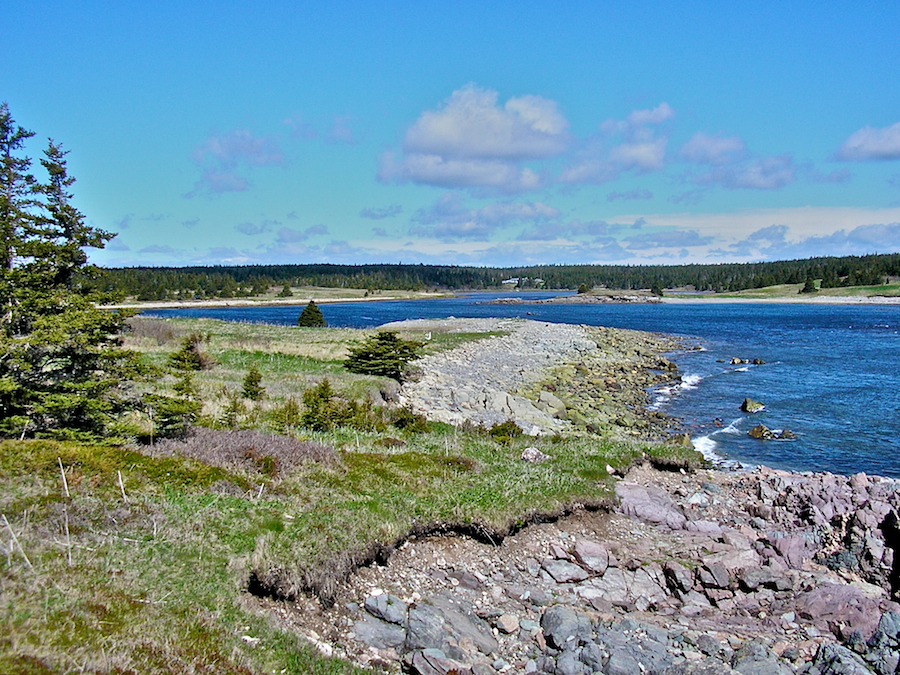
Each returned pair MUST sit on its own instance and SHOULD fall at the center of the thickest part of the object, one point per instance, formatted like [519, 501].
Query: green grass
[793, 291]
[156, 581]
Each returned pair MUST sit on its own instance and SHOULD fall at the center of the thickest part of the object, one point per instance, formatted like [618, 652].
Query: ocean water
[831, 373]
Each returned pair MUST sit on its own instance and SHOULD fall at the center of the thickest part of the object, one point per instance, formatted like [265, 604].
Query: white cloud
[471, 141]
[449, 219]
[503, 177]
[238, 147]
[639, 146]
[667, 239]
[598, 229]
[341, 131]
[472, 125]
[379, 213]
[870, 143]
[658, 115]
[222, 156]
[287, 235]
[629, 195]
[644, 154]
[766, 173]
[707, 149]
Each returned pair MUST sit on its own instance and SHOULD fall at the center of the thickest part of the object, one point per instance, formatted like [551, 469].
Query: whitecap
[731, 428]
[690, 381]
[706, 446]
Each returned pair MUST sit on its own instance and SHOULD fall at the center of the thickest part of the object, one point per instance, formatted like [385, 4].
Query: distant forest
[185, 283]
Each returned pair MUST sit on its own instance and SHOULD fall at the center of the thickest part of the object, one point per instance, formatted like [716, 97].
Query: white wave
[731, 428]
[745, 369]
[706, 446]
[690, 381]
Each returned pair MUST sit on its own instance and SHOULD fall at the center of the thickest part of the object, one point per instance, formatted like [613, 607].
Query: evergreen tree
[62, 367]
[311, 317]
[809, 286]
[252, 387]
[383, 354]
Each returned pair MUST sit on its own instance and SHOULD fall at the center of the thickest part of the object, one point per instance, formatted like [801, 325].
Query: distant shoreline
[670, 299]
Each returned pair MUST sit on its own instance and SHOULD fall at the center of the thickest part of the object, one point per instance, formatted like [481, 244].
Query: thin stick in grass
[122, 487]
[65, 483]
[68, 539]
[16, 542]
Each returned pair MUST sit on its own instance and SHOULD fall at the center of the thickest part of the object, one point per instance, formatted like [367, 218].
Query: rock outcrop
[712, 572]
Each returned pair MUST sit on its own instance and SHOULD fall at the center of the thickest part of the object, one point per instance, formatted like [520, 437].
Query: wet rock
[751, 406]
[761, 432]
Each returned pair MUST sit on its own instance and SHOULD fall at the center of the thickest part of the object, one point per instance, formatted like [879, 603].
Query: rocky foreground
[758, 572]
[710, 572]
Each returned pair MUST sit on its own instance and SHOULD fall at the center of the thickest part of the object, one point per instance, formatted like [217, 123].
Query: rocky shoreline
[711, 572]
[691, 572]
[547, 377]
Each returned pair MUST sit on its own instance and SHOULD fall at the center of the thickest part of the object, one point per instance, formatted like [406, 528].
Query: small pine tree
[384, 354]
[311, 317]
[286, 292]
[231, 415]
[809, 286]
[189, 356]
[185, 387]
[253, 388]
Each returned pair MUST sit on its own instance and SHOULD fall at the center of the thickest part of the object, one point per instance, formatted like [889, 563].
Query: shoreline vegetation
[274, 540]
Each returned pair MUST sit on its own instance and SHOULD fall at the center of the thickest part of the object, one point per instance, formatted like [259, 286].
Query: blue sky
[471, 133]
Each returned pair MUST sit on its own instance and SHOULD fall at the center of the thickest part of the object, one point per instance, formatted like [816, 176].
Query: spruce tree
[311, 317]
[62, 369]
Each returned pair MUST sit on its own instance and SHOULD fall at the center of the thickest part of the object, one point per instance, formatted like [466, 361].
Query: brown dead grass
[245, 450]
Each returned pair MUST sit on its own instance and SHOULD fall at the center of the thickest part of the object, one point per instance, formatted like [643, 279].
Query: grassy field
[146, 559]
[792, 292]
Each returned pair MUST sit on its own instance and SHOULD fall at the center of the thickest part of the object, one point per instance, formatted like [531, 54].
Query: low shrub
[325, 411]
[505, 432]
[407, 420]
[269, 454]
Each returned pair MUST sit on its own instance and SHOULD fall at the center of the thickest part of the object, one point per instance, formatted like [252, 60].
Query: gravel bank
[548, 378]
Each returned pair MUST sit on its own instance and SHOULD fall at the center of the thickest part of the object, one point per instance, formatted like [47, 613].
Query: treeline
[185, 283]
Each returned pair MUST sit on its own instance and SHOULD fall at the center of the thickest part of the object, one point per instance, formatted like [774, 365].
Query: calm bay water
[831, 374]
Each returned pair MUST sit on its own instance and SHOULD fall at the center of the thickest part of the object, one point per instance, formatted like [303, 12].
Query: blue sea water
[831, 372]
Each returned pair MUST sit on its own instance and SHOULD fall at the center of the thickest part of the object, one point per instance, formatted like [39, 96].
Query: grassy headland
[146, 559]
